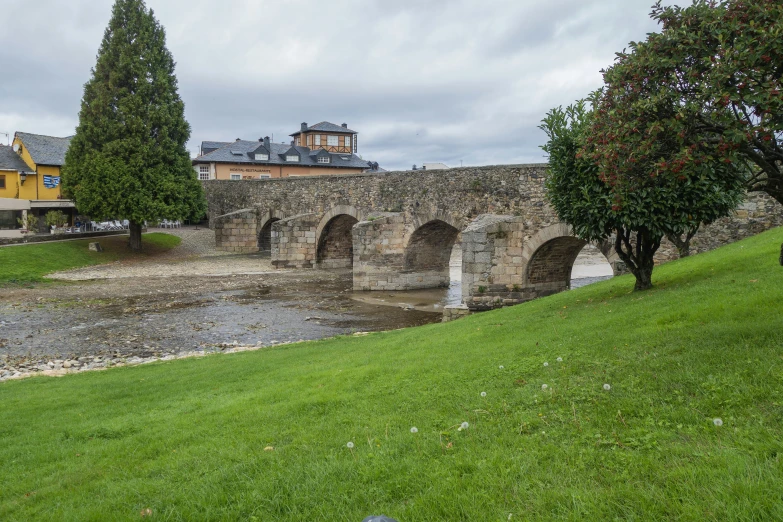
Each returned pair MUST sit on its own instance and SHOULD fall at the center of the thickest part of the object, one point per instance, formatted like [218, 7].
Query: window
[317, 139]
[264, 176]
[347, 141]
[323, 159]
[203, 172]
[332, 141]
[236, 177]
[262, 157]
[8, 219]
[292, 158]
[298, 140]
[2, 181]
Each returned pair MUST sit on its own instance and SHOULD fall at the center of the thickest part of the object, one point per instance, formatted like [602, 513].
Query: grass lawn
[263, 435]
[30, 263]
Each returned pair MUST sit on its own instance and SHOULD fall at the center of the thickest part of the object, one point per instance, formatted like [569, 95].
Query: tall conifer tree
[128, 158]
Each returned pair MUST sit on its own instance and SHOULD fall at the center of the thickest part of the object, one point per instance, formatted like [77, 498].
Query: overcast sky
[420, 80]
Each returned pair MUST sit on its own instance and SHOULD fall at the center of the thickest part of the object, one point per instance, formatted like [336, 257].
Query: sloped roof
[277, 156]
[291, 151]
[45, 150]
[209, 146]
[325, 126]
[10, 160]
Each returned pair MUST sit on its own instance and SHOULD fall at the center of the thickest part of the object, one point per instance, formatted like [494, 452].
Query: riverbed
[203, 304]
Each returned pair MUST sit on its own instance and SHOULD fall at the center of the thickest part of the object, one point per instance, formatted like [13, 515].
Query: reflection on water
[454, 292]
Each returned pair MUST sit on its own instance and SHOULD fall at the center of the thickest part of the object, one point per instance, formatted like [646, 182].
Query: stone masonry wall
[504, 262]
[236, 232]
[462, 194]
[492, 267]
[379, 261]
[293, 242]
[455, 195]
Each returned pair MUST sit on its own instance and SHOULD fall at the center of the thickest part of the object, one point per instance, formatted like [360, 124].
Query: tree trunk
[683, 244]
[638, 255]
[135, 236]
[643, 278]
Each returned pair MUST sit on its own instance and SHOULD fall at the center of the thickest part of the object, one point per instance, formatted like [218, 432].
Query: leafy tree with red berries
[707, 89]
[636, 206]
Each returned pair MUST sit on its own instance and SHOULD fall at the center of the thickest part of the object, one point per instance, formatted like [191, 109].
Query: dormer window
[262, 157]
[292, 157]
[324, 159]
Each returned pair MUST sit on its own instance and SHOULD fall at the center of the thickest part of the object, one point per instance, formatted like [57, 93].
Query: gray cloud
[421, 80]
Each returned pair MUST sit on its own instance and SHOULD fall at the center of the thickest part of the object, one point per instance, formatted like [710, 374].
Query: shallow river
[140, 316]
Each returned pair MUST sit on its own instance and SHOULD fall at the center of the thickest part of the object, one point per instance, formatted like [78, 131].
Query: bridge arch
[550, 256]
[334, 237]
[428, 250]
[264, 227]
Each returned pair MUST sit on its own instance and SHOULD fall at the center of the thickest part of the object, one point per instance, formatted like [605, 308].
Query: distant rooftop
[10, 160]
[242, 151]
[45, 150]
[325, 126]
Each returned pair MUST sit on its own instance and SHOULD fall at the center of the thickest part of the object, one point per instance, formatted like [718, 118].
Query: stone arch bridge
[396, 230]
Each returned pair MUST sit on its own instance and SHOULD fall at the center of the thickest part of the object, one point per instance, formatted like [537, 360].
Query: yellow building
[39, 183]
[13, 176]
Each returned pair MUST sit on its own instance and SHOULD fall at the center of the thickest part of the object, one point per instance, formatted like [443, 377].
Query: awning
[52, 203]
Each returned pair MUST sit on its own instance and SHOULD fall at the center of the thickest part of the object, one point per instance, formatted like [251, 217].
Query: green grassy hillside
[30, 263]
[263, 435]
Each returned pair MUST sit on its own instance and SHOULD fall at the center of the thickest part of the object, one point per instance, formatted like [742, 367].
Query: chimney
[345, 125]
[239, 139]
[266, 142]
[304, 127]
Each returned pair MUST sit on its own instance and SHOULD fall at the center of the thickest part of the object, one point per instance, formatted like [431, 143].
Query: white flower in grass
[501, 367]
[544, 387]
[350, 445]
[559, 359]
[463, 426]
[414, 430]
[483, 394]
[717, 421]
[607, 387]
[546, 364]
